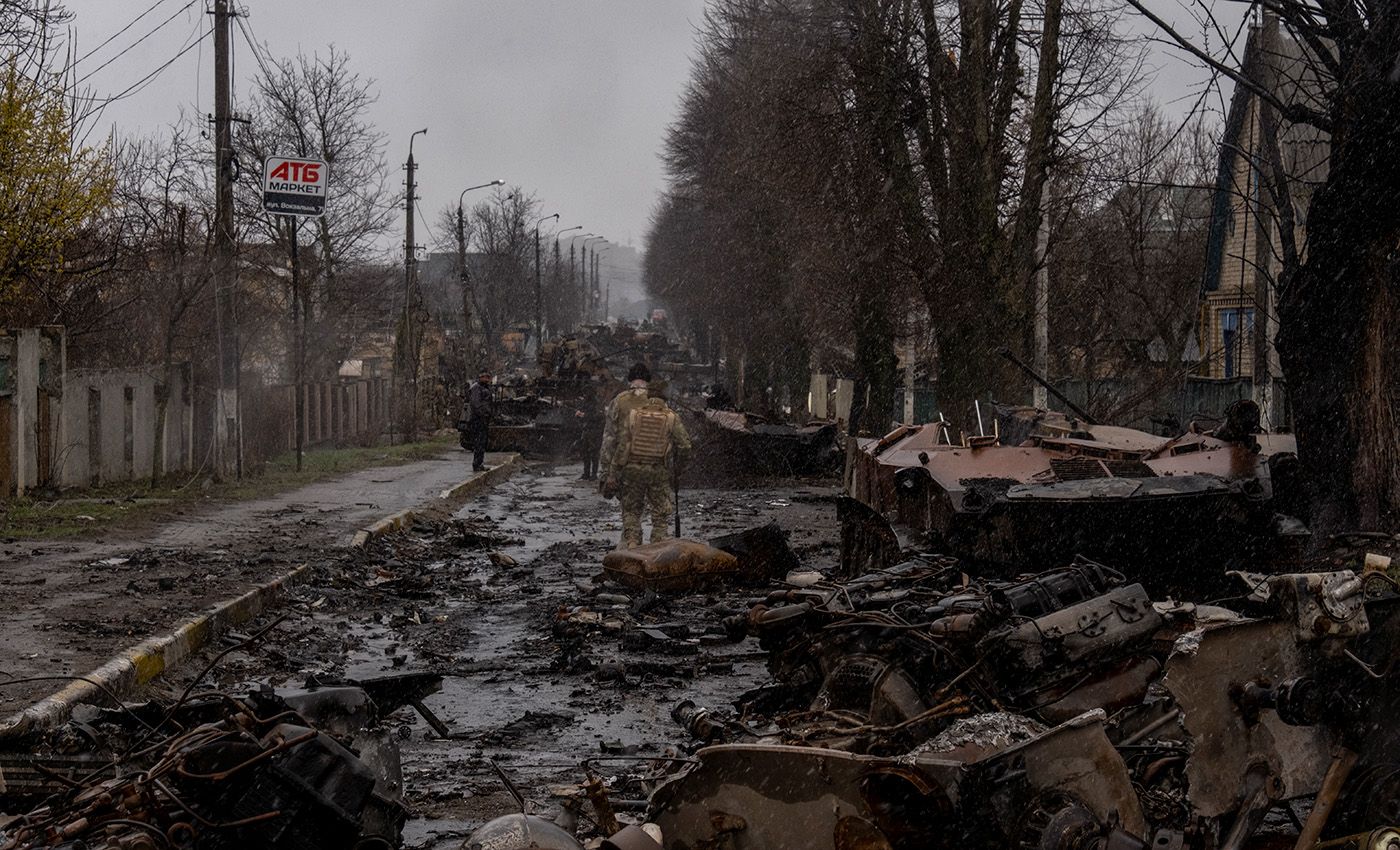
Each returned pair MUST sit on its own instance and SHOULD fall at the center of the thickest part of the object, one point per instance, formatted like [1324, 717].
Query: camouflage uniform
[644, 482]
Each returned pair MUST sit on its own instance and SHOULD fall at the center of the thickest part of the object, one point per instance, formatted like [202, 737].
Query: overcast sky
[568, 98]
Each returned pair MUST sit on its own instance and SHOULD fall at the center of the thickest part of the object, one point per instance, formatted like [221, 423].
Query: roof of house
[1303, 148]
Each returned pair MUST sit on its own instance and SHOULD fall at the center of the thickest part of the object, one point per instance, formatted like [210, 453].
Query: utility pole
[589, 292]
[539, 303]
[561, 301]
[468, 356]
[1039, 397]
[583, 282]
[471, 352]
[226, 421]
[607, 297]
[408, 338]
[582, 302]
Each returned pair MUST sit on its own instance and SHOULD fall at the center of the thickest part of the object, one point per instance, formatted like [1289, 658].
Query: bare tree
[1128, 255]
[876, 164]
[316, 106]
[1329, 67]
[504, 229]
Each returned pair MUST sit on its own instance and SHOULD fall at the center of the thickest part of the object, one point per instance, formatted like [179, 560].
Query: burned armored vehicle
[736, 442]
[914, 708]
[1161, 507]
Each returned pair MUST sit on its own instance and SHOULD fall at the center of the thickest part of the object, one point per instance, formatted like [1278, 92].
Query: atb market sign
[294, 186]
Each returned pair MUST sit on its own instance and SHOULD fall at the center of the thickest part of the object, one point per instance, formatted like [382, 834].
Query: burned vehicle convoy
[913, 709]
[1045, 488]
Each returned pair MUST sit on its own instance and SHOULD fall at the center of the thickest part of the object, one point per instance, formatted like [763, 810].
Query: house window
[1236, 337]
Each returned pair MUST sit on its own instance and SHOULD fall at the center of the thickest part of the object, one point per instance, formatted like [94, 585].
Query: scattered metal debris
[914, 709]
[304, 769]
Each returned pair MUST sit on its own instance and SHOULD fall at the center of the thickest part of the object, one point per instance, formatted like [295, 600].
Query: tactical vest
[649, 433]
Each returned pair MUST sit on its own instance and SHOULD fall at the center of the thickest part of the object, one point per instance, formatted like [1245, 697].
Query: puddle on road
[516, 692]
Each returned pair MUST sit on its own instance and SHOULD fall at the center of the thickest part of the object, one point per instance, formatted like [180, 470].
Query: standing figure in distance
[479, 412]
[590, 412]
[644, 444]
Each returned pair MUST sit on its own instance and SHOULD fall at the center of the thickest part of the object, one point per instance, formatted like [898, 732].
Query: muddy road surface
[545, 663]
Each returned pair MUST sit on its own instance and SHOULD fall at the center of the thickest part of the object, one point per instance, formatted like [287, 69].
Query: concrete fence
[339, 412]
[62, 428]
[110, 420]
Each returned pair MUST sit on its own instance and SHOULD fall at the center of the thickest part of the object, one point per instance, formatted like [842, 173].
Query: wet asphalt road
[527, 685]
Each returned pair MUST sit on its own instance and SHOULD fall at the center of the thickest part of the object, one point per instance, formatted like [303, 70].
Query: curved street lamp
[406, 379]
[539, 314]
[497, 182]
[588, 290]
[467, 299]
[461, 226]
[559, 233]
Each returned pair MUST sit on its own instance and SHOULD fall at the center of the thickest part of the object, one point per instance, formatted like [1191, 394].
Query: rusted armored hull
[1116, 495]
[731, 441]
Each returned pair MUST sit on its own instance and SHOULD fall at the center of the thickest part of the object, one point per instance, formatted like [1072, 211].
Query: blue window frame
[1236, 331]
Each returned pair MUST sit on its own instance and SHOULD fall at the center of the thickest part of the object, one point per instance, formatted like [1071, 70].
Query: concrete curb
[148, 659]
[458, 492]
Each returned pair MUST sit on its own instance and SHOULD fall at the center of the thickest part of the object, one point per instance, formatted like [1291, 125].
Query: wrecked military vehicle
[1048, 487]
[914, 708]
[745, 442]
[301, 768]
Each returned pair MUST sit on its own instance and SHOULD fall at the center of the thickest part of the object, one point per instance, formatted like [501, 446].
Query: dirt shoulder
[69, 606]
[130, 509]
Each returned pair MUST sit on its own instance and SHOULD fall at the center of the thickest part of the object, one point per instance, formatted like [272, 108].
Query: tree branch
[1293, 112]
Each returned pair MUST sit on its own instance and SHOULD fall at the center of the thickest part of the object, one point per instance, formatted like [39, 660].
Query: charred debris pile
[922, 706]
[1199, 683]
[915, 707]
[1213, 689]
[313, 767]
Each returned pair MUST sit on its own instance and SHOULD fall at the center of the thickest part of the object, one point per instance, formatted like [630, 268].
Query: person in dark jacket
[590, 414]
[479, 412]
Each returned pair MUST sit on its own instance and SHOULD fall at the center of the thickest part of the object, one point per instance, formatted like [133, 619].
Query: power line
[419, 208]
[246, 29]
[138, 41]
[118, 33]
[141, 83]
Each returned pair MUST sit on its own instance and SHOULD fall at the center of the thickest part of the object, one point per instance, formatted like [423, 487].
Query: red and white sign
[294, 186]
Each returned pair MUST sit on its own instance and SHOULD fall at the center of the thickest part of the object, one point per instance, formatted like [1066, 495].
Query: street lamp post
[571, 252]
[407, 347]
[582, 292]
[588, 290]
[467, 355]
[607, 292]
[539, 307]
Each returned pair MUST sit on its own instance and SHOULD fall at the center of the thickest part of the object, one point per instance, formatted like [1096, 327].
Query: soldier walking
[644, 444]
